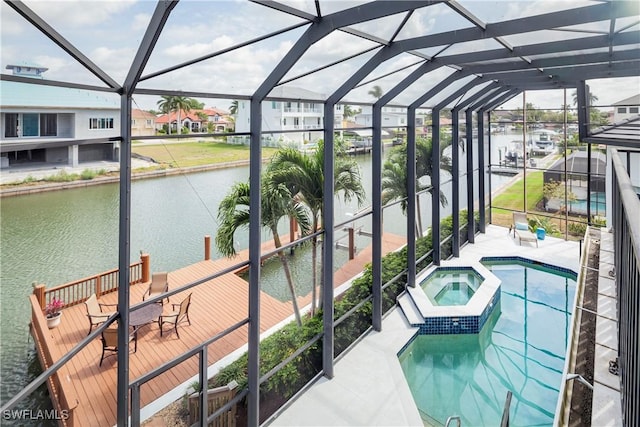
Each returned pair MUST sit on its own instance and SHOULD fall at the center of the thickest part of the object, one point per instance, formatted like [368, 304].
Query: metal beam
[376, 218]
[482, 97]
[502, 99]
[435, 185]
[621, 39]
[481, 174]
[411, 197]
[455, 184]
[222, 51]
[577, 16]
[159, 18]
[58, 39]
[322, 27]
[471, 225]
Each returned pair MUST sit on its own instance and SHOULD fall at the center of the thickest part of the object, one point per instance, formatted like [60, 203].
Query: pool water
[521, 348]
[455, 293]
[451, 287]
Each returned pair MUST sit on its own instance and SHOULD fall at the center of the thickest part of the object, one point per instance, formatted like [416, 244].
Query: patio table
[144, 315]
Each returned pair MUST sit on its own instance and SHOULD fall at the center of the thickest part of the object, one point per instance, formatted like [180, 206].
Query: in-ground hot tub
[452, 287]
[455, 298]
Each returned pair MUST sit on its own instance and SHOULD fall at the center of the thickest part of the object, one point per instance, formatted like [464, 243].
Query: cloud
[68, 14]
[140, 21]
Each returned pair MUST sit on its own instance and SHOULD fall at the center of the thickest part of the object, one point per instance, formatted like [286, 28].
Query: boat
[541, 142]
[514, 153]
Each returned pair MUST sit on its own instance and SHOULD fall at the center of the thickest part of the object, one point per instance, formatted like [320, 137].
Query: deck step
[410, 310]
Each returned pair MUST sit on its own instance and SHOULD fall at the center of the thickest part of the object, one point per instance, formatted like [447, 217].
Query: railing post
[207, 248]
[39, 292]
[352, 243]
[98, 286]
[146, 268]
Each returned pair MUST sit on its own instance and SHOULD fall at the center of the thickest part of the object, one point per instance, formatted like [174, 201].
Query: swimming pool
[521, 348]
[451, 287]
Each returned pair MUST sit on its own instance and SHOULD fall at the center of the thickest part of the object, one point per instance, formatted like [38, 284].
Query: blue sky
[108, 32]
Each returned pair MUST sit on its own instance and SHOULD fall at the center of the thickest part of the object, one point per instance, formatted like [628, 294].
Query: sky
[108, 32]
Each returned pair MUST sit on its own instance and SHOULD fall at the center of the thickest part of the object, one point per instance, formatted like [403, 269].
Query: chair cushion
[522, 226]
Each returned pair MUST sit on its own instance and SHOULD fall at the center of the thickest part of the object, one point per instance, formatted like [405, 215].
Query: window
[133, 122]
[149, 122]
[101, 123]
[274, 104]
[296, 121]
[30, 124]
[622, 110]
[11, 125]
[633, 110]
[48, 124]
[284, 121]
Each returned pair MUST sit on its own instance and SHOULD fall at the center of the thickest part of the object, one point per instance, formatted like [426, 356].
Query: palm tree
[394, 174]
[376, 92]
[165, 104]
[349, 111]
[168, 104]
[304, 176]
[592, 98]
[181, 103]
[277, 202]
[233, 109]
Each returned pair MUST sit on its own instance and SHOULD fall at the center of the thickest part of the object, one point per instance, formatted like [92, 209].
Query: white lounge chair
[520, 228]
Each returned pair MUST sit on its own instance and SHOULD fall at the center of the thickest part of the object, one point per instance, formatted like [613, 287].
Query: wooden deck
[215, 305]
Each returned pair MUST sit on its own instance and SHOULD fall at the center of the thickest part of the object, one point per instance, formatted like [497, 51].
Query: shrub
[577, 228]
[544, 222]
[87, 174]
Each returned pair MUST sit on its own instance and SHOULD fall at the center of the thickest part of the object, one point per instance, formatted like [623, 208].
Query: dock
[215, 306]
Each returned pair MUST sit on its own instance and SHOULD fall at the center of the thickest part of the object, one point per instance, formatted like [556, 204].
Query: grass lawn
[513, 197]
[197, 153]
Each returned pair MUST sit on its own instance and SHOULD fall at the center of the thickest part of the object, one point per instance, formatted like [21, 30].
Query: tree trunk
[287, 273]
[179, 125]
[419, 215]
[314, 265]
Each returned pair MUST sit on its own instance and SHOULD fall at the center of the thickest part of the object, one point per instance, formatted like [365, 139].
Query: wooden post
[293, 227]
[352, 243]
[98, 290]
[146, 268]
[39, 292]
[207, 248]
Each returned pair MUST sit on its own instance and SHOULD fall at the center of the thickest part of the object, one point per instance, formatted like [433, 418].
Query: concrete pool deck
[369, 388]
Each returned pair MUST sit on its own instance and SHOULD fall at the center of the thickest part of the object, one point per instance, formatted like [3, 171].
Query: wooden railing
[63, 395]
[78, 291]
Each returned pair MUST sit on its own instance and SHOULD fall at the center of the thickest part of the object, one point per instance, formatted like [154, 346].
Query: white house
[52, 125]
[305, 119]
[626, 108]
[391, 117]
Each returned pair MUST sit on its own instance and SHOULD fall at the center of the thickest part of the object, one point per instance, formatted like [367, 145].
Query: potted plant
[53, 312]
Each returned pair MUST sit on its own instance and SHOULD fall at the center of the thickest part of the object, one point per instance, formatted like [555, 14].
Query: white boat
[541, 142]
[514, 154]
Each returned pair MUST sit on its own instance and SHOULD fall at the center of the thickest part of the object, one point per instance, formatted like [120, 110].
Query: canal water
[61, 236]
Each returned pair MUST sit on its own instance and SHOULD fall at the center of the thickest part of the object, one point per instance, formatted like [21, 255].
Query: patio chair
[520, 228]
[179, 313]
[94, 311]
[109, 340]
[159, 285]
